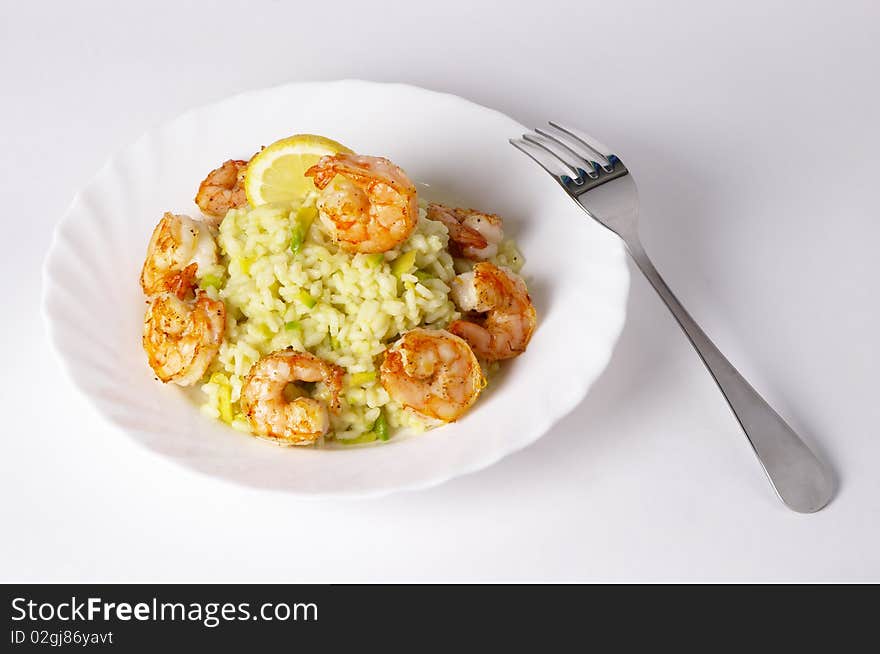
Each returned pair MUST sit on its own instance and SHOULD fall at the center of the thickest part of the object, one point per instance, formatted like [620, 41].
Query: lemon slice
[277, 173]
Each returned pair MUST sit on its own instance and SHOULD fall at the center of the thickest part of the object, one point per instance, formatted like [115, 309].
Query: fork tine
[557, 168]
[585, 139]
[575, 145]
[565, 154]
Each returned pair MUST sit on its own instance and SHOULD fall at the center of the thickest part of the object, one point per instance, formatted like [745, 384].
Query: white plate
[575, 269]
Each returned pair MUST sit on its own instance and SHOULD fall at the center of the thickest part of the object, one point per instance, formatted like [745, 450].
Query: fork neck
[628, 233]
[643, 262]
[634, 245]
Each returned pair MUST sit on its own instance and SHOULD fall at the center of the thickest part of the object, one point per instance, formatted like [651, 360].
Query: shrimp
[223, 189]
[181, 337]
[178, 247]
[299, 421]
[371, 204]
[433, 373]
[472, 234]
[510, 318]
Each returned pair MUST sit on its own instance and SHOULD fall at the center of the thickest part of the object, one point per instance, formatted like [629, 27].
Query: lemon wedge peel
[276, 174]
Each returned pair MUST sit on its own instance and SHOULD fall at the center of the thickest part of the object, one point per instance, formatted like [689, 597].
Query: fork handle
[802, 482]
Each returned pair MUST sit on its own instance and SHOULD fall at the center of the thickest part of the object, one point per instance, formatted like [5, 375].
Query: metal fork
[598, 181]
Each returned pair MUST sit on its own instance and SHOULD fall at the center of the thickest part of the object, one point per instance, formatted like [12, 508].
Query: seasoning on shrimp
[178, 248]
[223, 189]
[367, 204]
[182, 337]
[508, 316]
[297, 421]
[335, 259]
[432, 372]
[472, 234]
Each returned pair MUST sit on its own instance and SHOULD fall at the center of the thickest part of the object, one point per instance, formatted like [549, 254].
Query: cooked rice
[341, 307]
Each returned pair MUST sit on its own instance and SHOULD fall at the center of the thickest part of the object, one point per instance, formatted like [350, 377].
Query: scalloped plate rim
[538, 430]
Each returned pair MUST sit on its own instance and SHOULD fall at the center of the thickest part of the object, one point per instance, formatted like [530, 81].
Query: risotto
[285, 284]
[320, 299]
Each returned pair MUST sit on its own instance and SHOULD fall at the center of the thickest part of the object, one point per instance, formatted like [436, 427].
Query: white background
[752, 129]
